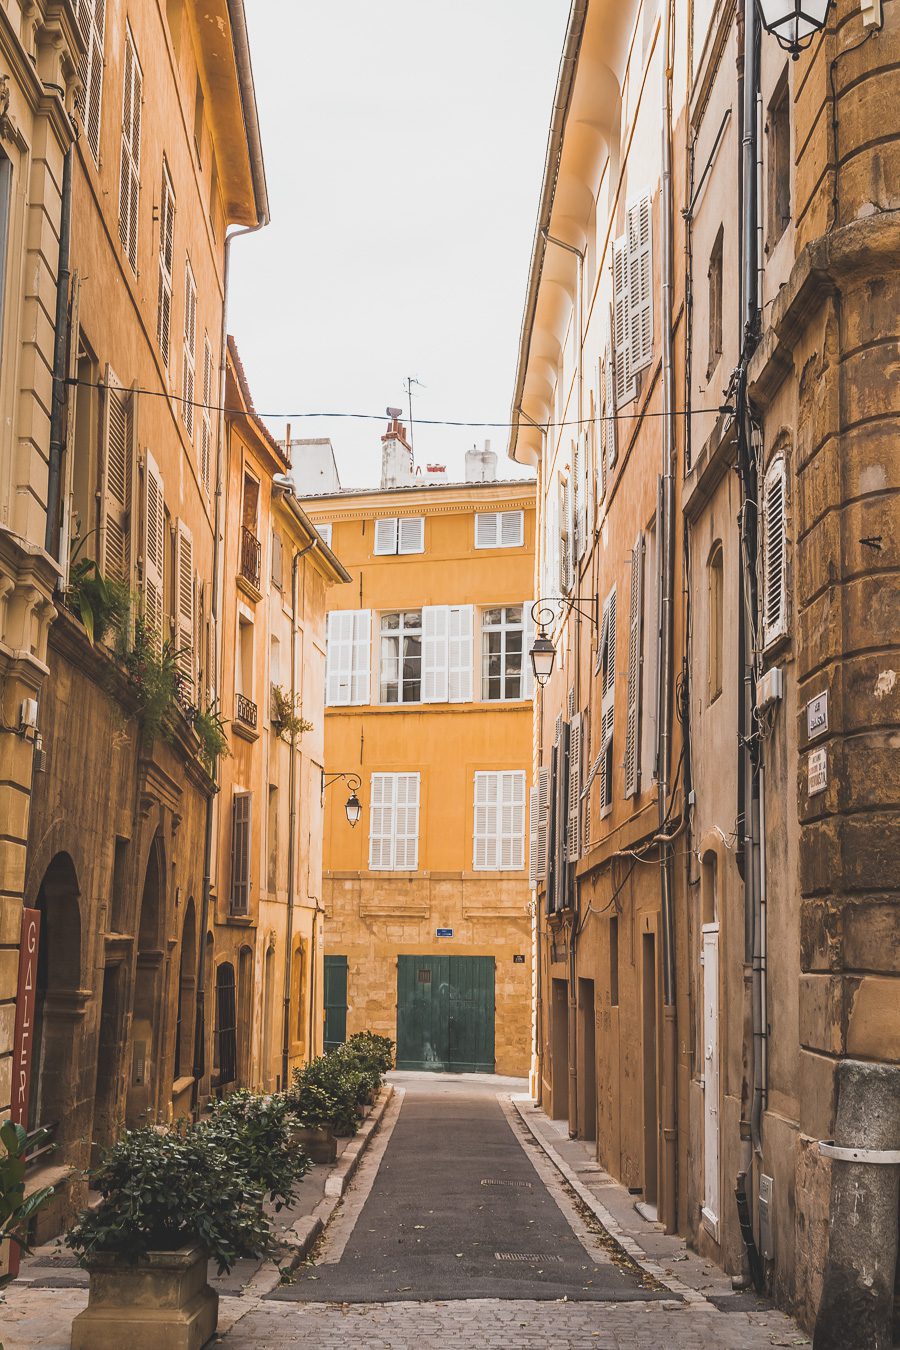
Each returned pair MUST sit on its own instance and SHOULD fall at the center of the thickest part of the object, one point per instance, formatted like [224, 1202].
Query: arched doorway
[245, 1015]
[225, 1054]
[267, 1075]
[144, 1074]
[59, 1002]
[187, 995]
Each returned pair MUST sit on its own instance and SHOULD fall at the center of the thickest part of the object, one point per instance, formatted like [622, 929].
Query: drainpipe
[61, 339]
[665, 684]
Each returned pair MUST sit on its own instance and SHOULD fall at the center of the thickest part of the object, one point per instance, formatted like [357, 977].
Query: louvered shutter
[577, 493]
[512, 529]
[533, 833]
[206, 428]
[460, 644]
[166, 260]
[406, 822]
[487, 529]
[632, 726]
[325, 527]
[189, 351]
[154, 547]
[212, 659]
[386, 535]
[241, 852]
[361, 665]
[277, 560]
[511, 822]
[774, 616]
[484, 843]
[552, 565]
[528, 636]
[639, 235]
[608, 696]
[381, 821]
[411, 534]
[435, 655]
[573, 826]
[116, 479]
[130, 168]
[92, 23]
[184, 603]
[339, 657]
[623, 380]
[543, 789]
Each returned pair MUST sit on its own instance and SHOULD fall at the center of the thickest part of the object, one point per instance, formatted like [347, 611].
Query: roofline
[241, 38]
[248, 411]
[515, 483]
[562, 99]
[317, 543]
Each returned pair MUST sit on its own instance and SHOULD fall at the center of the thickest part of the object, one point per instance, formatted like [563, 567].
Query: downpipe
[61, 340]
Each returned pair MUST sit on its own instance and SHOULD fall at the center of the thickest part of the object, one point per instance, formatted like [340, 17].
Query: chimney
[481, 465]
[396, 456]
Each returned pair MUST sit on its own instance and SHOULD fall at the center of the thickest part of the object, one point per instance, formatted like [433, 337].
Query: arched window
[715, 617]
[225, 1062]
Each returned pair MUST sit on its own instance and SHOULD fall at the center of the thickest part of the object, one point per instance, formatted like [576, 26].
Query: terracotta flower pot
[162, 1302]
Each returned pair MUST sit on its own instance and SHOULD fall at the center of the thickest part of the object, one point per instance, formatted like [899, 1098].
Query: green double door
[445, 1013]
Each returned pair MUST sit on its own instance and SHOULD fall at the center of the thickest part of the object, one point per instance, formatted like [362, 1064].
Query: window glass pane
[514, 614]
[492, 617]
[390, 622]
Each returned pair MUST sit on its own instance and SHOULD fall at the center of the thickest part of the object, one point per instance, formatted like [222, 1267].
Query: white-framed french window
[498, 843]
[91, 16]
[166, 263]
[400, 656]
[189, 349]
[506, 639]
[394, 822]
[347, 657]
[130, 167]
[774, 552]
[499, 529]
[399, 535]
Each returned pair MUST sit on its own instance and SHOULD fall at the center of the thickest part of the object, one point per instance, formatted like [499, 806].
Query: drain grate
[526, 1256]
[502, 1181]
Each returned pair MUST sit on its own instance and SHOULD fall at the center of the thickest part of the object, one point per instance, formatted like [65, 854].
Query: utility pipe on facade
[666, 639]
[61, 340]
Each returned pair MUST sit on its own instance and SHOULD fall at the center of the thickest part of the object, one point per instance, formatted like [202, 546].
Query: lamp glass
[794, 22]
[543, 655]
[353, 809]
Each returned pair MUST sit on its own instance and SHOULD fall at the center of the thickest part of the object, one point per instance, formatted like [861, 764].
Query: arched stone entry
[59, 1006]
[143, 1076]
[244, 1015]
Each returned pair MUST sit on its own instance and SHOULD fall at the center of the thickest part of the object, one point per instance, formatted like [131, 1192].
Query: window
[274, 659]
[504, 653]
[633, 299]
[565, 552]
[778, 137]
[347, 657]
[499, 529]
[226, 1025]
[632, 724]
[206, 427]
[499, 823]
[648, 674]
[166, 258]
[185, 618]
[130, 173]
[394, 822]
[715, 305]
[154, 548]
[606, 668]
[403, 535]
[714, 635]
[401, 657]
[774, 550]
[277, 561]
[116, 480]
[324, 529]
[251, 548]
[538, 822]
[189, 350]
[243, 675]
[241, 822]
[447, 653]
[608, 440]
[272, 831]
[92, 23]
[198, 120]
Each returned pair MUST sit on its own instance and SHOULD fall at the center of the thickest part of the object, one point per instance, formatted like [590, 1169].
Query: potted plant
[170, 1201]
[287, 719]
[257, 1134]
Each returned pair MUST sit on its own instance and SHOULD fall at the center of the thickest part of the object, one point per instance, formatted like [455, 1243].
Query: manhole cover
[501, 1181]
[525, 1256]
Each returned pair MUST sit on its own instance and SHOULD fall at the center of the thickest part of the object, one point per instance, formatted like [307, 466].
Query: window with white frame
[499, 529]
[394, 535]
[505, 645]
[499, 822]
[774, 553]
[130, 172]
[347, 657]
[400, 662]
[394, 822]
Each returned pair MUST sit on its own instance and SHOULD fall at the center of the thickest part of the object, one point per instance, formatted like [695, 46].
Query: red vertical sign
[23, 1035]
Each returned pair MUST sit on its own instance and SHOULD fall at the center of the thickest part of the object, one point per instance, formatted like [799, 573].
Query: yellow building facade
[429, 704]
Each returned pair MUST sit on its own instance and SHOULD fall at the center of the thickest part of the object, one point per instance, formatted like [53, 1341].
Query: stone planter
[319, 1143]
[161, 1303]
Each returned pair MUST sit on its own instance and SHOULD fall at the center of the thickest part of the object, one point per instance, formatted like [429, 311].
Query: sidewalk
[34, 1318]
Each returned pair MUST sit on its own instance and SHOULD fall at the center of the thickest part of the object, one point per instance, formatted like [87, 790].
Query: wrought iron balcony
[245, 711]
[251, 556]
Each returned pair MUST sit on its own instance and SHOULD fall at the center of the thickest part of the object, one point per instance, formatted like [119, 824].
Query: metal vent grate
[526, 1256]
[502, 1181]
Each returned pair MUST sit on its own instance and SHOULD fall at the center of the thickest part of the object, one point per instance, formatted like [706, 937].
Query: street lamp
[352, 806]
[794, 23]
[545, 612]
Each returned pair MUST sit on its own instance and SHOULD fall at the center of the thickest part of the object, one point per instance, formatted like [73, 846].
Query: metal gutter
[238, 18]
[316, 539]
[564, 85]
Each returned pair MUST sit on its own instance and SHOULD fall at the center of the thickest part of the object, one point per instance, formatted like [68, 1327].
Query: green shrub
[255, 1132]
[163, 1189]
[377, 1050]
[326, 1092]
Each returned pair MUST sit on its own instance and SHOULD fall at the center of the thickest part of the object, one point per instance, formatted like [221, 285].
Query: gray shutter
[573, 812]
[632, 742]
[241, 821]
[639, 235]
[534, 807]
[543, 789]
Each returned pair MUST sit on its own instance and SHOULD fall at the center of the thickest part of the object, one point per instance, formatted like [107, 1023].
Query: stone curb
[628, 1244]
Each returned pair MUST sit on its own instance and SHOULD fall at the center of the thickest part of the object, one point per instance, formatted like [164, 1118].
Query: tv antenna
[407, 385]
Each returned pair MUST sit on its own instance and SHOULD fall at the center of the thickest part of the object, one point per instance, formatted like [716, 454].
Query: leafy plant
[16, 1211]
[162, 1190]
[371, 1048]
[326, 1092]
[152, 670]
[210, 726]
[287, 721]
[255, 1132]
[103, 604]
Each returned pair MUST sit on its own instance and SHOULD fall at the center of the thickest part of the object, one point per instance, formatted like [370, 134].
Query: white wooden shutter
[632, 743]
[381, 821]
[166, 259]
[435, 655]
[325, 527]
[607, 655]
[564, 535]
[241, 852]
[534, 808]
[576, 489]
[621, 327]
[528, 636]
[339, 657]
[92, 23]
[116, 479]
[543, 787]
[189, 350]
[484, 829]
[460, 648]
[573, 830]
[512, 529]
[774, 560]
[154, 547]
[411, 534]
[206, 428]
[511, 822]
[639, 236]
[385, 535]
[361, 666]
[130, 168]
[487, 529]
[406, 822]
[184, 603]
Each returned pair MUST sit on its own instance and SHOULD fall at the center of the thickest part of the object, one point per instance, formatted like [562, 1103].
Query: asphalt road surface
[449, 1205]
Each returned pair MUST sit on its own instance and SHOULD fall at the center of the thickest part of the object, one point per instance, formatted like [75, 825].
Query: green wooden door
[335, 1001]
[445, 1013]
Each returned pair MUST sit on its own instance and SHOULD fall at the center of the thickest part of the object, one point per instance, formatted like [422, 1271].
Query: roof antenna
[408, 384]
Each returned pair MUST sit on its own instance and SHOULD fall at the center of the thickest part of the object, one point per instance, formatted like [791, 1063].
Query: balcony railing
[251, 557]
[245, 711]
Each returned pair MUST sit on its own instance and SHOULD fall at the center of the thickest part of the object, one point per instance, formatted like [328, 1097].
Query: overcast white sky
[404, 144]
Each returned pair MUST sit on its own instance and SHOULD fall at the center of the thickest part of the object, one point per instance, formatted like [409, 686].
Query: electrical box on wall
[766, 1228]
[769, 687]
